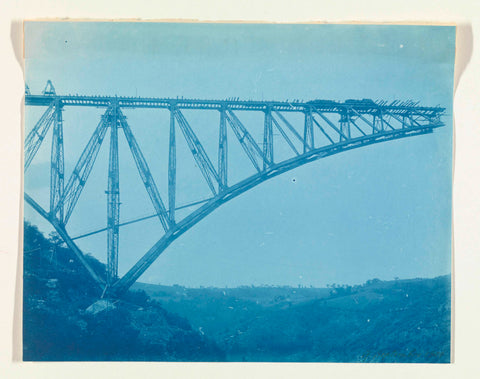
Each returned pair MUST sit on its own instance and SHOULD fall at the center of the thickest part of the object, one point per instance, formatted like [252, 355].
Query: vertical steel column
[222, 151]
[57, 164]
[308, 131]
[172, 168]
[410, 119]
[268, 138]
[345, 126]
[380, 126]
[113, 200]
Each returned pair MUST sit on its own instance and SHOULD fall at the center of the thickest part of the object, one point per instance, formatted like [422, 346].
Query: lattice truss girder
[327, 128]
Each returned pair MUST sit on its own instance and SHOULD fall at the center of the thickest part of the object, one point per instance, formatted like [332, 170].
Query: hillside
[391, 321]
[63, 319]
[379, 321]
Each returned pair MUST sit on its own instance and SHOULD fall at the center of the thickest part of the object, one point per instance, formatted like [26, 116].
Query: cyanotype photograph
[215, 192]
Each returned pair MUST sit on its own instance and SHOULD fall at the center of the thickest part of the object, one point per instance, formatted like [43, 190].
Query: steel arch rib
[66, 238]
[122, 285]
[159, 247]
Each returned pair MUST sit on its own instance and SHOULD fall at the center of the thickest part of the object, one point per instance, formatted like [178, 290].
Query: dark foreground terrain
[63, 319]
[379, 321]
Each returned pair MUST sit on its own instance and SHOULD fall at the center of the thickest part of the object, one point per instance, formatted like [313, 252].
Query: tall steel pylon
[113, 195]
[328, 127]
[57, 165]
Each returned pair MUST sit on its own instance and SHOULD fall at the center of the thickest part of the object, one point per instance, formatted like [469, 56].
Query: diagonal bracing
[36, 136]
[145, 174]
[82, 169]
[198, 152]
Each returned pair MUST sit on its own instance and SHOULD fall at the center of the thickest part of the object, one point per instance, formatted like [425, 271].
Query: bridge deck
[365, 106]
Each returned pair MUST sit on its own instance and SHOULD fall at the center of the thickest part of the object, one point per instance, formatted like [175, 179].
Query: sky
[381, 211]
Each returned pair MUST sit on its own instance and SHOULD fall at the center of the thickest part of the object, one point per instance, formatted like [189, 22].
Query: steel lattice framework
[344, 126]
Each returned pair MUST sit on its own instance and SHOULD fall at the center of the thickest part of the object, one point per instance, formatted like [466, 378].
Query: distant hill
[380, 321]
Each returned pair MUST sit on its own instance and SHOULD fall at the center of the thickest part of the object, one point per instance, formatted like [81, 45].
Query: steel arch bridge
[326, 128]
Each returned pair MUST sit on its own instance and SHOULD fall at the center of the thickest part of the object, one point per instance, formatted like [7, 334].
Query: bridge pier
[57, 164]
[222, 151]
[268, 139]
[345, 126]
[172, 168]
[113, 200]
[308, 131]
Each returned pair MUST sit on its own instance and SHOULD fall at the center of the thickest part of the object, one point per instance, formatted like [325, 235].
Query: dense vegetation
[393, 321]
[60, 323]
